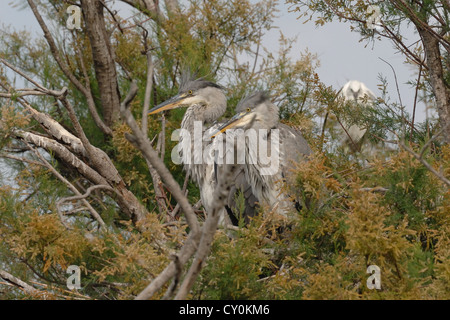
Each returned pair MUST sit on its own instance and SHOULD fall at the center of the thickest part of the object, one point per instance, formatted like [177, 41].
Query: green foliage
[385, 209]
[114, 264]
[234, 269]
[325, 253]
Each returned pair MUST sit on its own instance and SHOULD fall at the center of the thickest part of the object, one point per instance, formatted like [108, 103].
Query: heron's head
[206, 95]
[255, 111]
[355, 90]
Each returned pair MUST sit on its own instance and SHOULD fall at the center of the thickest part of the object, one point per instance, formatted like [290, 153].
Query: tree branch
[83, 197]
[208, 231]
[22, 285]
[65, 69]
[419, 156]
[103, 57]
[72, 188]
[143, 144]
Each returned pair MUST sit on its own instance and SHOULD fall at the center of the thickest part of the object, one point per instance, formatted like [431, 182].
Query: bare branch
[149, 82]
[396, 82]
[65, 69]
[419, 156]
[21, 284]
[416, 93]
[41, 88]
[22, 94]
[148, 90]
[103, 58]
[148, 7]
[156, 179]
[375, 189]
[56, 130]
[170, 271]
[63, 153]
[174, 212]
[208, 230]
[8, 156]
[105, 172]
[83, 197]
[143, 144]
[93, 212]
[176, 279]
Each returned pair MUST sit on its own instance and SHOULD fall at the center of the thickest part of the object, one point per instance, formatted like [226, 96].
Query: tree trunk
[436, 73]
[103, 57]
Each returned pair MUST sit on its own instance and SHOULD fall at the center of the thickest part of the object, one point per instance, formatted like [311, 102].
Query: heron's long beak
[171, 103]
[239, 120]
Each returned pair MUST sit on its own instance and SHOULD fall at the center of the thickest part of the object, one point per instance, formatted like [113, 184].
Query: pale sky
[342, 57]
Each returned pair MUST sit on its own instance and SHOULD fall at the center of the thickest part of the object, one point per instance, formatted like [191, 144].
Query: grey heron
[258, 113]
[356, 92]
[206, 103]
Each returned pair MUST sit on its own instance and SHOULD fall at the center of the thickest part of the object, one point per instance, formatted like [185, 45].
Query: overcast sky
[342, 57]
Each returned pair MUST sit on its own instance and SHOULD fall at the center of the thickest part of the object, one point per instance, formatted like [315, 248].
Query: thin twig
[93, 212]
[415, 102]
[21, 284]
[80, 196]
[396, 83]
[143, 144]
[8, 156]
[208, 230]
[176, 279]
[149, 83]
[419, 156]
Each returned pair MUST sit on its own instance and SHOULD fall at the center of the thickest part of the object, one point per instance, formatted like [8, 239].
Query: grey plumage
[257, 112]
[241, 184]
[205, 102]
[187, 83]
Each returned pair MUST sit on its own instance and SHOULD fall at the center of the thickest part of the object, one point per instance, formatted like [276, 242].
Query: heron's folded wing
[222, 148]
[294, 149]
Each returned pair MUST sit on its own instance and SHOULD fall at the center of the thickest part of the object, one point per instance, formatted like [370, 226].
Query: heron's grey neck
[192, 141]
[204, 114]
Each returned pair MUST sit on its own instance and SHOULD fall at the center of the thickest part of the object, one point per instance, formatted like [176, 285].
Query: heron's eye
[248, 109]
[190, 92]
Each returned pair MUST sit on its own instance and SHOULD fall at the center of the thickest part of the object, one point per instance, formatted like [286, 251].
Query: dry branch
[65, 69]
[185, 253]
[103, 57]
[156, 179]
[208, 231]
[21, 284]
[93, 212]
[57, 131]
[148, 7]
[83, 197]
[139, 140]
[74, 151]
[419, 156]
[62, 153]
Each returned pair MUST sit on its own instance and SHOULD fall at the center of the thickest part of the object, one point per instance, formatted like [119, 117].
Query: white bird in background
[358, 92]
